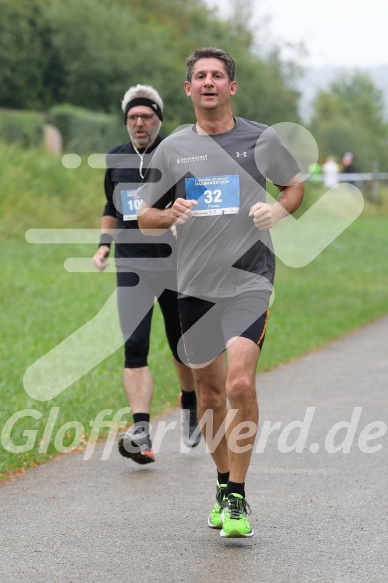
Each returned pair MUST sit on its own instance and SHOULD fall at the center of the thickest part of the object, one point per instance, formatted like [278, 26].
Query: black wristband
[105, 239]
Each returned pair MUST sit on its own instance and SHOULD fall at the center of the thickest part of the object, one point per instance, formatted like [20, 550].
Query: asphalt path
[318, 515]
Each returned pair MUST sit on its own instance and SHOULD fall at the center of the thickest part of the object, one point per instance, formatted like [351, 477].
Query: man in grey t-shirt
[212, 188]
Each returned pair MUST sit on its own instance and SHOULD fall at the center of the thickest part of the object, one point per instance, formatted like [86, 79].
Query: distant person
[135, 261]
[331, 172]
[348, 163]
[349, 166]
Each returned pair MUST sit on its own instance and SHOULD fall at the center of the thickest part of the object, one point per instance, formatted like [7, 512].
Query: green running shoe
[235, 523]
[214, 520]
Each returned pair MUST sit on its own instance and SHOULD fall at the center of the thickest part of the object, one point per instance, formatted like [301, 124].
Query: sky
[343, 33]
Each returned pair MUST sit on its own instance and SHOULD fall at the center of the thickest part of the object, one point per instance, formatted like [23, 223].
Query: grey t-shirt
[221, 253]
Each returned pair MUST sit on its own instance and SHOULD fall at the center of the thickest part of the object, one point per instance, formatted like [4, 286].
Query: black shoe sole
[139, 456]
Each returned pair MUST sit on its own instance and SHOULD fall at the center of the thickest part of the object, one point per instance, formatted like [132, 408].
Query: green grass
[343, 289]
[44, 304]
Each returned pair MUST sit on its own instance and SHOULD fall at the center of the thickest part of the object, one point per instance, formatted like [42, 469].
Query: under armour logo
[238, 154]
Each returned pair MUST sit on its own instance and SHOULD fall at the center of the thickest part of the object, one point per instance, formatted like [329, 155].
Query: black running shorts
[208, 325]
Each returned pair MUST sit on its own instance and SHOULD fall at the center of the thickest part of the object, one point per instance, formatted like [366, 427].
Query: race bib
[216, 195]
[131, 202]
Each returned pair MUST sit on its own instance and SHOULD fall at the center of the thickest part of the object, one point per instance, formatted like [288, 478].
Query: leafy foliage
[86, 131]
[88, 53]
[349, 116]
[30, 64]
[22, 127]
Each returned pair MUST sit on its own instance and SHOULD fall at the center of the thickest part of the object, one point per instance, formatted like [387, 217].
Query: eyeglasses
[143, 116]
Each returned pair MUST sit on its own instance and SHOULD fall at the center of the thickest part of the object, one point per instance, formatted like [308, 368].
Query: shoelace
[237, 507]
[143, 439]
[220, 496]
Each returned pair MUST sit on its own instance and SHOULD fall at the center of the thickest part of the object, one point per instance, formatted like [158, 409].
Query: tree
[88, 53]
[30, 71]
[349, 116]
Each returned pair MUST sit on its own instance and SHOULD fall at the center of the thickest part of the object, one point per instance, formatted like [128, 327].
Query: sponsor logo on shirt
[200, 158]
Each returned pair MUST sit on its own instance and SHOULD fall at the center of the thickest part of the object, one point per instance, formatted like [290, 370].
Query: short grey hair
[211, 53]
[141, 91]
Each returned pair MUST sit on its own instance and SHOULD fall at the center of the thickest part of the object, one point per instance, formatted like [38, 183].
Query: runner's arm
[107, 227]
[266, 215]
[151, 219]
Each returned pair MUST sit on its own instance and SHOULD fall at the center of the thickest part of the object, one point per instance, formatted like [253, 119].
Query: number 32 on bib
[216, 195]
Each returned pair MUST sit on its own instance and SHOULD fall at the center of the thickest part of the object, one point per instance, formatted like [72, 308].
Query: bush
[84, 131]
[22, 127]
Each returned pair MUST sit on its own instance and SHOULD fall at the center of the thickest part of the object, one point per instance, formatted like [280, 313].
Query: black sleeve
[109, 209]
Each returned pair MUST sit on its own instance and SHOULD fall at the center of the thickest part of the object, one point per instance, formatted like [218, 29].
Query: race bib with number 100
[131, 202]
[216, 195]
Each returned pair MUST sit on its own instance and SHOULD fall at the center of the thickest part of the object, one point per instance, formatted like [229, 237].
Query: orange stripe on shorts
[265, 327]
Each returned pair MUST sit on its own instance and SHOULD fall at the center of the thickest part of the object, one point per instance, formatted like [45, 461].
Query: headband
[144, 101]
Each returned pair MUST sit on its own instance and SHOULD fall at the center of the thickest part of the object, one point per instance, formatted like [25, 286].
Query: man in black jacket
[145, 269]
